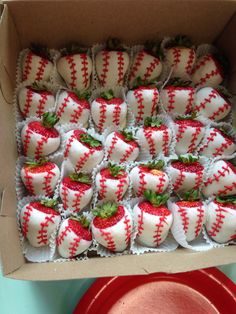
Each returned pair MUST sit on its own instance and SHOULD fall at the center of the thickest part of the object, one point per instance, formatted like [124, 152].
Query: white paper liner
[199, 244]
[33, 254]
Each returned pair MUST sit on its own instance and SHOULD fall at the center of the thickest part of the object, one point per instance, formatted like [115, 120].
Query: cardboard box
[89, 22]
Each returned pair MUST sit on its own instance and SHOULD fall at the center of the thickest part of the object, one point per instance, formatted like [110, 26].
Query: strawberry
[180, 56]
[112, 226]
[189, 133]
[147, 63]
[112, 64]
[73, 107]
[213, 103]
[192, 214]
[39, 220]
[221, 219]
[217, 142]
[121, 146]
[178, 96]
[40, 177]
[154, 137]
[149, 176]
[76, 191]
[108, 110]
[75, 67]
[112, 182]
[221, 180]
[209, 71]
[37, 64]
[40, 138]
[143, 100]
[83, 150]
[153, 219]
[35, 100]
[186, 173]
[74, 236]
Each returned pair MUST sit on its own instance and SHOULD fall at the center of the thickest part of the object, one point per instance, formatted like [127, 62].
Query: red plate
[202, 291]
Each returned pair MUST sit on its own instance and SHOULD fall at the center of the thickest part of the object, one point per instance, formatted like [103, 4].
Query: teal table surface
[52, 297]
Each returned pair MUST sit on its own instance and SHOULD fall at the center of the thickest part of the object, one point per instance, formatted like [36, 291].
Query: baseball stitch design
[26, 141]
[142, 183]
[213, 94]
[28, 64]
[209, 139]
[184, 218]
[62, 236]
[120, 186]
[216, 177]
[39, 147]
[103, 187]
[76, 115]
[107, 236]
[199, 221]
[106, 58]
[127, 229]
[69, 144]
[165, 142]
[139, 97]
[64, 196]
[29, 96]
[216, 226]
[148, 136]
[220, 110]
[62, 107]
[42, 102]
[160, 185]
[194, 138]
[137, 64]
[74, 246]
[140, 223]
[227, 189]
[121, 64]
[73, 72]
[42, 233]
[113, 144]
[158, 231]
[198, 179]
[181, 130]
[102, 116]
[26, 218]
[207, 76]
[176, 55]
[224, 146]
[179, 181]
[127, 154]
[84, 69]
[171, 99]
[190, 62]
[150, 69]
[116, 114]
[77, 200]
[41, 69]
[47, 183]
[154, 101]
[81, 162]
[29, 182]
[190, 100]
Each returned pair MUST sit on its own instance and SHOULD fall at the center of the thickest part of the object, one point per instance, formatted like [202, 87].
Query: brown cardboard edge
[181, 260]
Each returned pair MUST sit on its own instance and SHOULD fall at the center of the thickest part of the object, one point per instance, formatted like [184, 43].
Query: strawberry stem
[139, 82]
[177, 82]
[82, 219]
[91, 141]
[128, 135]
[187, 159]
[72, 49]
[115, 170]
[49, 203]
[156, 199]
[158, 165]
[180, 41]
[226, 199]
[80, 177]
[49, 120]
[114, 44]
[36, 163]
[108, 95]
[41, 51]
[36, 86]
[105, 210]
[82, 95]
[191, 196]
[153, 122]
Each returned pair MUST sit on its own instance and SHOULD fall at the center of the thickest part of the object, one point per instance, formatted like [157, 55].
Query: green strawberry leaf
[177, 82]
[128, 135]
[191, 116]
[140, 82]
[187, 159]
[91, 141]
[180, 41]
[153, 122]
[36, 163]
[156, 199]
[108, 95]
[82, 95]
[38, 86]
[105, 210]
[115, 170]
[191, 195]
[226, 199]
[158, 164]
[82, 219]
[81, 177]
[49, 120]
[49, 203]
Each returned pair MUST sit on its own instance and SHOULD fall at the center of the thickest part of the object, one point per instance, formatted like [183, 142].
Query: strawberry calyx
[187, 159]
[128, 135]
[72, 49]
[91, 141]
[108, 95]
[36, 163]
[155, 199]
[178, 82]
[226, 199]
[114, 44]
[80, 177]
[153, 47]
[82, 95]
[115, 170]
[106, 210]
[51, 203]
[191, 116]
[191, 196]
[41, 51]
[82, 219]
[157, 165]
[153, 122]
[139, 82]
[49, 120]
[180, 41]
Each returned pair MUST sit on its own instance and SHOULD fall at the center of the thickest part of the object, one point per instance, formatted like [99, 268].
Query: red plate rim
[200, 280]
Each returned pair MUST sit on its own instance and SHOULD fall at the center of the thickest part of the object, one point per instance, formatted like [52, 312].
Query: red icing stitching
[103, 187]
[42, 102]
[72, 66]
[42, 233]
[68, 146]
[207, 76]
[121, 64]
[107, 236]
[154, 101]
[127, 229]
[105, 60]
[29, 182]
[139, 59]
[198, 179]
[62, 236]
[140, 223]
[139, 97]
[199, 221]
[28, 68]
[127, 154]
[39, 147]
[176, 55]
[113, 144]
[171, 100]
[216, 178]
[26, 218]
[220, 150]
[117, 114]
[26, 141]
[151, 68]
[47, 187]
[102, 116]
[160, 185]
[76, 115]
[209, 139]
[77, 201]
[80, 163]
[165, 141]
[84, 69]
[217, 225]
[41, 69]
[62, 107]
[148, 136]
[64, 196]
[142, 183]
[179, 181]
[194, 138]
[184, 217]
[120, 187]
[190, 102]
[190, 62]
[227, 189]
[74, 246]
[29, 96]
[202, 62]
[221, 109]
[181, 130]
[213, 94]
[159, 230]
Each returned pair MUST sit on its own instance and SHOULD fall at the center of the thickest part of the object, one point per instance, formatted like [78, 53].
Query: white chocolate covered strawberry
[186, 173]
[35, 100]
[154, 136]
[153, 219]
[212, 103]
[73, 107]
[147, 64]
[121, 147]
[112, 182]
[143, 102]
[180, 56]
[39, 220]
[83, 150]
[217, 142]
[74, 236]
[189, 133]
[40, 138]
[37, 64]
[108, 110]
[75, 67]
[149, 176]
[112, 64]
[76, 191]
[178, 96]
[112, 226]
[208, 71]
[192, 213]
[221, 180]
[40, 178]
[221, 219]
